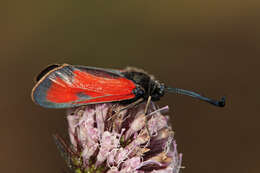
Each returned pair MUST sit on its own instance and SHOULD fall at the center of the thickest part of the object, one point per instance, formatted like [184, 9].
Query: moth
[66, 86]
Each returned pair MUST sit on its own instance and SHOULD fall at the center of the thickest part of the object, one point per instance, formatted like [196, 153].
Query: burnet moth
[66, 86]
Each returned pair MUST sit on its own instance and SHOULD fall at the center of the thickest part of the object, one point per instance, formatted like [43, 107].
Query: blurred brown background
[207, 46]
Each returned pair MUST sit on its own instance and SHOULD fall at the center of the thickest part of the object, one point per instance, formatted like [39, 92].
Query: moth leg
[146, 109]
[145, 112]
[131, 105]
[147, 105]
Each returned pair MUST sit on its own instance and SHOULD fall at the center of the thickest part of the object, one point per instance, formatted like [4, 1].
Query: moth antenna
[220, 103]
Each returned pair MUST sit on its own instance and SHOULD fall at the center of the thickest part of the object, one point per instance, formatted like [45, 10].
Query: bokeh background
[207, 46]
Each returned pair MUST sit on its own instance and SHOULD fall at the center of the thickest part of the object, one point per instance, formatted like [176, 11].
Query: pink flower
[129, 142]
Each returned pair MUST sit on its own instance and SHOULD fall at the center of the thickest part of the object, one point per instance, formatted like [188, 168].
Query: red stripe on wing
[63, 90]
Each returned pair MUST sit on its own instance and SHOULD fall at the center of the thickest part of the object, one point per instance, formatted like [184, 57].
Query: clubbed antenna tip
[220, 103]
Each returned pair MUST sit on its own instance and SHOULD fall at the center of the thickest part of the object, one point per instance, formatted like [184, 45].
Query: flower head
[126, 142]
